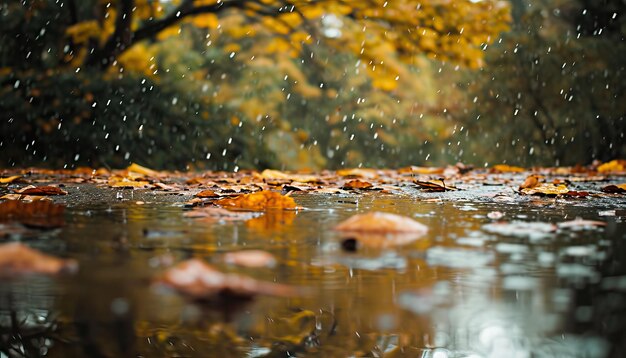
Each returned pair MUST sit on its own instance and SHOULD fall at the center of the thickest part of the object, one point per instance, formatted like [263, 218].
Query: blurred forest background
[291, 84]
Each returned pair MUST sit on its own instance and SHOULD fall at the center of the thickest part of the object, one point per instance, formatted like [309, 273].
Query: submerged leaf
[200, 281]
[17, 258]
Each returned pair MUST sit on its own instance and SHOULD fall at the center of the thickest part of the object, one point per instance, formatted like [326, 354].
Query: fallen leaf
[421, 170]
[276, 174]
[136, 168]
[380, 222]
[206, 194]
[617, 165]
[546, 189]
[211, 213]
[434, 185]
[41, 190]
[358, 173]
[250, 258]
[579, 223]
[504, 168]
[10, 179]
[39, 214]
[258, 201]
[24, 198]
[200, 281]
[356, 184]
[17, 258]
[530, 182]
[124, 182]
[615, 188]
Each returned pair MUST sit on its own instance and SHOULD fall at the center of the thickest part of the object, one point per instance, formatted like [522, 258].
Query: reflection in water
[468, 288]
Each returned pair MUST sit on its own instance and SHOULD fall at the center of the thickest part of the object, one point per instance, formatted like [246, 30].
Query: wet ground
[474, 286]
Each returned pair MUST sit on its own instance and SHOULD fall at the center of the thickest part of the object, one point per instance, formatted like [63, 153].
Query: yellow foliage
[617, 165]
[259, 201]
[83, 31]
[208, 21]
[138, 59]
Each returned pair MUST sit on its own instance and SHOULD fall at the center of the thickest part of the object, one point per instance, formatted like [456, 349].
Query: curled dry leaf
[40, 213]
[200, 281]
[530, 182]
[615, 189]
[434, 185]
[41, 190]
[17, 258]
[258, 201]
[546, 189]
[357, 184]
[381, 230]
[250, 258]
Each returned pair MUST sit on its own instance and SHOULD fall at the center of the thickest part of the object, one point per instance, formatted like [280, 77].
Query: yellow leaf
[546, 189]
[617, 165]
[258, 201]
[10, 179]
[136, 168]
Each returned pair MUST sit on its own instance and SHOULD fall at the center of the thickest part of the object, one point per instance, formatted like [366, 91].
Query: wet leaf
[250, 258]
[546, 189]
[617, 165]
[207, 194]
[136, 168]
[10, 179]
[579, 223]
[211, 213]
[530, 182]
[17, 258]
[41, 190]
[40, 214]
[434, 185]
[124, 182]
[200, 281]
[357, 184]
[421, 170]
[504, 168]
[382, 223]
[615, 189]
[259, 201]
[358, 173]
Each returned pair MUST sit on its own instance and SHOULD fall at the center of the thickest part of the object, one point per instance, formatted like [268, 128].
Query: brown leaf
[40, 213]
[17, 258]
[615, 189]
[504, 168]
[207, 194]
[530, 182]
[250, 258]
[200, 281]
[212, 213]
[357, 184]
[380, 230]
[579, 223]
[258, 201]
[41, 190]
[434, 185]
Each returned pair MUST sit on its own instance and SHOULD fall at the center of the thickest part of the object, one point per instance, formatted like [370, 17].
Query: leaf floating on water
[41, 190]
[546, 189]
[10, 179]
[40, 214]
[219, 214]
[200, 281]
[381, 230]
[381, 223]
[580, 224]
[615, 189]
[434, 185]
[259, 201]
[17, 258]
[250, 258]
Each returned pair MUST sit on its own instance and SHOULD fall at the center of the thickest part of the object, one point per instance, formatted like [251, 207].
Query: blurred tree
[232, 81]
[552, 91]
